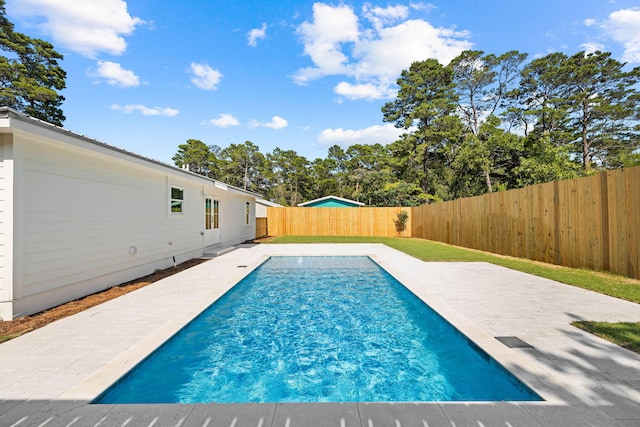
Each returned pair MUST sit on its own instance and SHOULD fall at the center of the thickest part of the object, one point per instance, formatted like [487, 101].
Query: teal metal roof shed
[331, 202]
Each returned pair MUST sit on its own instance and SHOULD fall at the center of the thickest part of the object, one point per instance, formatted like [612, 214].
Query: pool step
[215, 251]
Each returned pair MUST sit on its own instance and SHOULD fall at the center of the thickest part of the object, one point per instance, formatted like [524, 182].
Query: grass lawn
[625, 334]
[426, 250]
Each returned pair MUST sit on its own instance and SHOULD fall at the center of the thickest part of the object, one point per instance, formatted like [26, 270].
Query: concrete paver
[493, 414]
[49, 376]
[317, 414]
[402, 414]
[237, 415]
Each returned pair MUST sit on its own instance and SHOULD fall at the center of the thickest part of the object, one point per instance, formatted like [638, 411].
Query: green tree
[536, 104]
[338, 157]
[543, 161]
[399, 194]
[482, 82]
[473, 75]
[244, 166]
[369, 157]
[363, 160]
[586, 103]
[425, 102]
[445, 140]
[427, 91]
[289, 177]
[322, 180]
[601, 99]
[30, 76]
[199, 157]
[371, 183]
[406, 160]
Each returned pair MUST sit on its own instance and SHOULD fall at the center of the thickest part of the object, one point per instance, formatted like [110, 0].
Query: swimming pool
[317, 329]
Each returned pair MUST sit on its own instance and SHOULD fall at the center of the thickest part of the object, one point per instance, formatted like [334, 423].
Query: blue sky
[146, 75]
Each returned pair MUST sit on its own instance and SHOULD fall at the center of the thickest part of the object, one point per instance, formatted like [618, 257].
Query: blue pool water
[317, 329]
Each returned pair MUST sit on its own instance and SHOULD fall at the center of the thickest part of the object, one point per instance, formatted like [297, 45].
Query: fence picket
[591, 222]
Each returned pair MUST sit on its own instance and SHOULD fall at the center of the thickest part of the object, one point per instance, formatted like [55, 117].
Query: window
[177, 200]
[211, 214]
[216, 214]
[247, 211]
[207, 214]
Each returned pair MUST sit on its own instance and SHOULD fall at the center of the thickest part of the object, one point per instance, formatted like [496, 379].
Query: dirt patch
[15, 328]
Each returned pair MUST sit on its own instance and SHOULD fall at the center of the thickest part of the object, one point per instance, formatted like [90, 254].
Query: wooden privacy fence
[364, 221]
[591, 222]
[262, 229]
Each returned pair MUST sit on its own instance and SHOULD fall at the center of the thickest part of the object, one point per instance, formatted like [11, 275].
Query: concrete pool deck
[49, 376]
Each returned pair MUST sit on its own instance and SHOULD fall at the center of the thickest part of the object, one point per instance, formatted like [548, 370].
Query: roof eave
[10, 113]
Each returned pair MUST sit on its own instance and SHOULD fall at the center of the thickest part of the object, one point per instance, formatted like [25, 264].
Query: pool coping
[488, 343]
[99, 381]
[129, 360]
[75, 398]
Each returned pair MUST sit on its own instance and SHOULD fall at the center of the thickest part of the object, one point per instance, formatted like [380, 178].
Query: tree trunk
[586, 159]
[424, 182]
[487, 180]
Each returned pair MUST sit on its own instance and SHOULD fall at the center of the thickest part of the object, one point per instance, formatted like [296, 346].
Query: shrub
[401, 220]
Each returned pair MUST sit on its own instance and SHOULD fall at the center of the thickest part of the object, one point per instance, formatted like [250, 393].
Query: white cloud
[384, 134]
[368, 91]
[380, 17]
[589, 22]
[257, 34]
[623, 26]
[145, 111]
[374, 56]
[205, 77]
[85, 27]
[276, 122]
[224, 120]
[422, 6]
[395, 48]
[331, 26]
[115, 74]
[592, 47]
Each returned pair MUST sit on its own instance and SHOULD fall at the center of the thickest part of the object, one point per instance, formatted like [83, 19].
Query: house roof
[329, 199]
[11, 114]
[268, 203]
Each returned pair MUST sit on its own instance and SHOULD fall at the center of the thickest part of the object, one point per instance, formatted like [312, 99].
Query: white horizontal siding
[82, 213]
[73, 214]
[232, 221]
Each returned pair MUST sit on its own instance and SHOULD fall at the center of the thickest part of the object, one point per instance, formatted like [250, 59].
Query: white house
[78, 216]
[262, 205]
